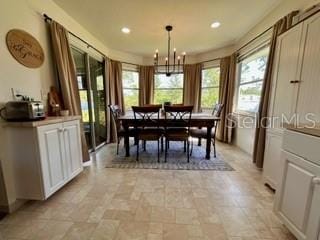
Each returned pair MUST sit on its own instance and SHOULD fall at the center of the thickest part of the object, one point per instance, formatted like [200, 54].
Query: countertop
[46, 121]
[305, 128]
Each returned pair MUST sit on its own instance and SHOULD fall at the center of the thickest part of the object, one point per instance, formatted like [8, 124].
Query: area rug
[176, 160]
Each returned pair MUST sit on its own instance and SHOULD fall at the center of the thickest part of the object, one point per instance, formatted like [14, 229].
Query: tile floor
[104, 203]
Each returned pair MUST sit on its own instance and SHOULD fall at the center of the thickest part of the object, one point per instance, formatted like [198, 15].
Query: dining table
[198, 120]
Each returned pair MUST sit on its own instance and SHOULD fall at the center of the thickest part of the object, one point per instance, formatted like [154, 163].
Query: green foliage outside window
[130, 81]
[168, 89]
[210, 87]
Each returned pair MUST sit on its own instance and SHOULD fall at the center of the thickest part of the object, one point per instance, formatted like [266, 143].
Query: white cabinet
[73, 153]
[295, 87]
[271, 171]
[298, 195]
[309, 87]
[45, 156]
[287, 60]
[52, 157]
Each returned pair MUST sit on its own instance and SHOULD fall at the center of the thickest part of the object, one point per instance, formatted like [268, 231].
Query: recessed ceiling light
[215, 24]
[125, 30]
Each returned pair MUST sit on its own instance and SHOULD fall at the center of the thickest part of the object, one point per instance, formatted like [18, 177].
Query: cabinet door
[283, 94]
[51, 147]
[72, 148]
[309, 87]
[272, 154]
[296, 193]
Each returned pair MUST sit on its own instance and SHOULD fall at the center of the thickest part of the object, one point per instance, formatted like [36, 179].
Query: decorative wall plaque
[25, 48]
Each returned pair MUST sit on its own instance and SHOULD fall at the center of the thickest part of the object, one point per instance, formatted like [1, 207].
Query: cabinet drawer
[303, 145]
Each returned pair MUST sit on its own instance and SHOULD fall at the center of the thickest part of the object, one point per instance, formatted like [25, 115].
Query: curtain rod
[49, 19]
[243, 46]
[255, 38]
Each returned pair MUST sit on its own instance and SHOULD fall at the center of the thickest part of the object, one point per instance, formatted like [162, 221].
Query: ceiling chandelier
[169, 68]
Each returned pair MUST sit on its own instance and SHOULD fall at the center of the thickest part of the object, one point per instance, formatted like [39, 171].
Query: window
[210, 87]
[251, 74]
[130, 84]
[168, 89]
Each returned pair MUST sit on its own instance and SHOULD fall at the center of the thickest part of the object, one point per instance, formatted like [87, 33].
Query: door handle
[295, 81]
[316, 181]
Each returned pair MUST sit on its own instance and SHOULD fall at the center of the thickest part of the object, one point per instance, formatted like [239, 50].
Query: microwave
[23, 111]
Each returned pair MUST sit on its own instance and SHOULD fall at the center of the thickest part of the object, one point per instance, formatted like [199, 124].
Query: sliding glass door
[91, 86]
[99, 101]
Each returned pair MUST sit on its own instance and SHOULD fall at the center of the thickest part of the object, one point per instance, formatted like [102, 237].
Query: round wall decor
[25, 48]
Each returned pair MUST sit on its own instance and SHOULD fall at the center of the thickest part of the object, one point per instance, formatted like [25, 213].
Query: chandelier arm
[169, 39]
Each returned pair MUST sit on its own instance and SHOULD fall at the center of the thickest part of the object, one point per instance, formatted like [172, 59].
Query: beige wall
[27, 15]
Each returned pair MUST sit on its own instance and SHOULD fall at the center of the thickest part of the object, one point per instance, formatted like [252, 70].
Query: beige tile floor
[139, 204]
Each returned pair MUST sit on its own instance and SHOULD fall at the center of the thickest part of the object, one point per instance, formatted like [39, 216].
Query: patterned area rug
[176, 160]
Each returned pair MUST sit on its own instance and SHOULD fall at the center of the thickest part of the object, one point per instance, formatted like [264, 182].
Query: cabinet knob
[61, 129]
[316, 181]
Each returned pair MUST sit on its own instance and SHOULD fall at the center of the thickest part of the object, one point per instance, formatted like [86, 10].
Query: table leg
[208, 148]
[126, 140]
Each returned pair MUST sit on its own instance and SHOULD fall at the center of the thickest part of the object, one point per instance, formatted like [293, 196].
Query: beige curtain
[192, 85]
[146, 83]
[259, 142]
[227, 82]
[67, 76]
[114, 94]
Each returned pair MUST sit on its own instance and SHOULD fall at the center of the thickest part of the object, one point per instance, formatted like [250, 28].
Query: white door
[286, 70]
[309, 87]
[296, 194]
[271, 172]
[72, 148]
[51, 147]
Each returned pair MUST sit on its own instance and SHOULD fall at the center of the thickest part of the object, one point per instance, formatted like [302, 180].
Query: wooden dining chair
[177, 125]
[147, 125]
[202, 132]
[115, 113]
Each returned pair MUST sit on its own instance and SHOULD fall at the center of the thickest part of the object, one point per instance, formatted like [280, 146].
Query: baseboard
[4, 208]
[13, 206]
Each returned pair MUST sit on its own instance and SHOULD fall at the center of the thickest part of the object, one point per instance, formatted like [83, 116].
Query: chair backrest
[217, 109]
[147, 115]
[178, 116]
[115, 113]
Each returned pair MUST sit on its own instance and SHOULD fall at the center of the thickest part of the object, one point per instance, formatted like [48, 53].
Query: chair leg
[199, 142]
[214, 147]
[144, 145]
[118, 142]
[191, 147]
[184, 146]
[137, 156]
[166, 151]
[162, 144]
[188, 149]
[158, 151]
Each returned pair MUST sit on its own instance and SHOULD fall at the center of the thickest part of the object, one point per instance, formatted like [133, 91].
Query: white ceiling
[191, 20]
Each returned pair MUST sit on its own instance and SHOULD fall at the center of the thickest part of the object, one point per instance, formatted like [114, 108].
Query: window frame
[154, 88]
[126, 88]
[213, 87]
[238, 80]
